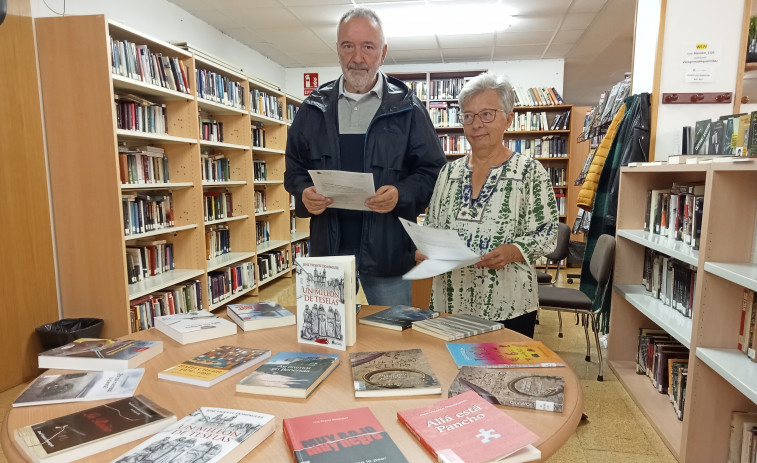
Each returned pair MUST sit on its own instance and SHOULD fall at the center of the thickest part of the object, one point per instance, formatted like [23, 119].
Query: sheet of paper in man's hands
[348, 190]
[445, 250]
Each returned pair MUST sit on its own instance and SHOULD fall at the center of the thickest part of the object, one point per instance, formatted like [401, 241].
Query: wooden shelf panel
[222, 145]
[272, 211]
[271, 245]
[225, 260]
[152, 137]
[227, 219]
[163, 280]
[231, 298]
[219, 109]
[230, 183]
[664, 316]
[655, 406]
[261, 150]
[299, 236]
[130, 85]
[156, 186]
[675, 249]
[275, 276]
[741, 274]
[265, 120]
[161, 231]
[269, 182]
[734, 366]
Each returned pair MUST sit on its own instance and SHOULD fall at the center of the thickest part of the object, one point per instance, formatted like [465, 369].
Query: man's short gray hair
[487, 81]
[363, 12]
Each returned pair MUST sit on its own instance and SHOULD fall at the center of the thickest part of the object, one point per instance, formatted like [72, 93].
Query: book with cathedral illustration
[289, 374]
[214, 366]
[456, 326]
[345, 436]
[326, 288]
[468, 428]
[511, 387]
[398, 317]
[528, 354]
[208, 435]
[80, 387]
[93, 430]
[259, 315]
[99, 354]
[393, 373]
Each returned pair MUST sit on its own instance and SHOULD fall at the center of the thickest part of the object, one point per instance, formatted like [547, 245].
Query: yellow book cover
[214, 366]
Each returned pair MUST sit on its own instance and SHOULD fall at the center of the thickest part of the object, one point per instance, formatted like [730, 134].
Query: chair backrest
[563, 240]
[602, 259]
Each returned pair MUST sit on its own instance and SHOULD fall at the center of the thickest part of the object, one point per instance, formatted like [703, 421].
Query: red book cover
[345, 436]
[467, 428]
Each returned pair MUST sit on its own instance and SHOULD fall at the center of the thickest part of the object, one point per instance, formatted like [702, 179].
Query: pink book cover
[466, 428]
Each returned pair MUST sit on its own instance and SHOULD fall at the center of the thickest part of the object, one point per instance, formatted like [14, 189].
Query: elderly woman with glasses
[502, 205]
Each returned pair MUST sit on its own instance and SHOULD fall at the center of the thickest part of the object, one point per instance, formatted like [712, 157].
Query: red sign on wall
[311, 82]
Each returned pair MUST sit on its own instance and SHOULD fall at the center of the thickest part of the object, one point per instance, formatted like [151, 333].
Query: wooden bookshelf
[721, 378]
[299, 227]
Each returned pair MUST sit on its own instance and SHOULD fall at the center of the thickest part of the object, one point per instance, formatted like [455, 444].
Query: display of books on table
[213, 367]
[398, 317]
[259, 315]
[100, 354]
[345, 436]
[527, 354]
[189, 327]
[93, 430]
[511, 387]
[208, 435]
[80, 387]
[467, 428]
[393, 373]
[456, 326]
[289, 374]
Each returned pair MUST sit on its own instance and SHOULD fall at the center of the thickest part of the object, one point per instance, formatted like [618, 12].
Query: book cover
[215, 366]
[512, 388]
[468, 428]
[529, 354]
[100, 354]
[392, 373]
[87, 432]
[702, 137]
[207, 435]
[289, 374]
[259, 315]
[326, 301]
[80, 387]
[398, 317]
[196, 326]
[456, 326]
[717, 134]
[345, 436]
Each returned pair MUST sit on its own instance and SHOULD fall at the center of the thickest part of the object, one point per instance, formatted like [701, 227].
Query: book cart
[721, 378]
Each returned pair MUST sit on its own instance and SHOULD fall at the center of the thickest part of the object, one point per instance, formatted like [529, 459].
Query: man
[365, 122]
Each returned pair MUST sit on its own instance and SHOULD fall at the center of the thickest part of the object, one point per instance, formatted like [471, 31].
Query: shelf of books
[683, 324]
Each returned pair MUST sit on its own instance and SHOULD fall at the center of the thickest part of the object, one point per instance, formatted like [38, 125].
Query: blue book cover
[290, 374]
[398, 317]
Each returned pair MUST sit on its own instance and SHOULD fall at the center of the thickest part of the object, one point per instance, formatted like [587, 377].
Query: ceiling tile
[539, 7]
[243, 4]
[246, 35]
[296, 38]
[194, 5]
[411, 43]
[466, 41]
[534, 23]
[266, 17]
[521, 52]
[420, 54]
[321, 15]
[523, 38]
[558, 50]
[471, 54]
[587, 6]
[577, 20]
[568, 36]
[344, 3]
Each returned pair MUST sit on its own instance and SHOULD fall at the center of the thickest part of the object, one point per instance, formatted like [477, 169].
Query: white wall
[526, 73]
[687, 23]
[645, 45]
[166, 21]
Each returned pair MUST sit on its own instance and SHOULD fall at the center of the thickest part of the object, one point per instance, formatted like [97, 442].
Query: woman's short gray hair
[487, 81]
[363, 12]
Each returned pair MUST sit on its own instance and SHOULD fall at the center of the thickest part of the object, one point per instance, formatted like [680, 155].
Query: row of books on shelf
[537, 120]
[259, 170]
[260, 204]
[742, 443]
[665, 361]
[225, 283]
[139, 63]
[670, 280]
[729, 135]
[147, 259]
[291, 111]
[219, 88]
[676, 213]
[537, 96]
[271, 263]
[561, 202]
[143, 213]
[550, 146]
[217, 205]
[262, 231]
[444, 114]
[454, 143]
[747, 341]
[142, 164]
[558, 175]
[215, 167]
[264, 104]
[181, 298]
[138, 114]
[217, 241]
[258, 135]
[301, 249]
[211, 130]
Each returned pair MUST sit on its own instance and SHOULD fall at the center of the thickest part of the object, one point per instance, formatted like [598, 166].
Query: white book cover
[195, 326]
[208, 435]
[80, 387]
[326, 313]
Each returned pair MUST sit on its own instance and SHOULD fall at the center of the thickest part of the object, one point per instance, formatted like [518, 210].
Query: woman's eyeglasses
[486, 116]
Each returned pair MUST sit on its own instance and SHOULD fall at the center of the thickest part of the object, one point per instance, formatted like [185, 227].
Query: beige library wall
[27, 287]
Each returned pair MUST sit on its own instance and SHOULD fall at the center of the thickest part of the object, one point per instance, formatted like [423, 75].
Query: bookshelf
[299, 227]
[721, 378]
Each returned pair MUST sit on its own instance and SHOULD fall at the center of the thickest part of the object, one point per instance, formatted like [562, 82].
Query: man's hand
[315, 202]
[384, 200]
[419, 257]
[501, 256]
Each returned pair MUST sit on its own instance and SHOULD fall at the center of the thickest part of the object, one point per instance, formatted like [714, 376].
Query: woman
[503, 205]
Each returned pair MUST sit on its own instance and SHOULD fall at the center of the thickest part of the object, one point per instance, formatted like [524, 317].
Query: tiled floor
[614, 431]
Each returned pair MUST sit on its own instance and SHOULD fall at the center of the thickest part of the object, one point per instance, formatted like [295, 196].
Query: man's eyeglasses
[486, 116]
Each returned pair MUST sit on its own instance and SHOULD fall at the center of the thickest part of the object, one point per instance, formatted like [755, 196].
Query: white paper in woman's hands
[348, 190]
[445, 250]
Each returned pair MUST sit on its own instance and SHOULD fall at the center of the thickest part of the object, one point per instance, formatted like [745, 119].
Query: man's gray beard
[359, 82]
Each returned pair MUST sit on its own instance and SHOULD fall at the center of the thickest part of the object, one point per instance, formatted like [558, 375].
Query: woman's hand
[419, 257]
[500, 256]
[315, 202]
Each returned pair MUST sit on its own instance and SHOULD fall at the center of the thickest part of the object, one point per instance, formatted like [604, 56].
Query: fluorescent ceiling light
[445, 19]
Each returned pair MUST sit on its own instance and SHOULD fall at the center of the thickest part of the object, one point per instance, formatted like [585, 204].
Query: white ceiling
[593, 36]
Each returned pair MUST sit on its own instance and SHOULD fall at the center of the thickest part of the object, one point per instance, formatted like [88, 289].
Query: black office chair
[573, 300]
[558, 256]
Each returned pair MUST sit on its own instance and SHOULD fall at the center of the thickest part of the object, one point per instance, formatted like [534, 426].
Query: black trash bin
[66, 330]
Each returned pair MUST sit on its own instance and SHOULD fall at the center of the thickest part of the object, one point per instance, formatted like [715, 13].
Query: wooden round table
[335, 393]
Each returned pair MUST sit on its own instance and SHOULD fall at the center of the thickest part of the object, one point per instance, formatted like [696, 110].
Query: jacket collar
[396, 96]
